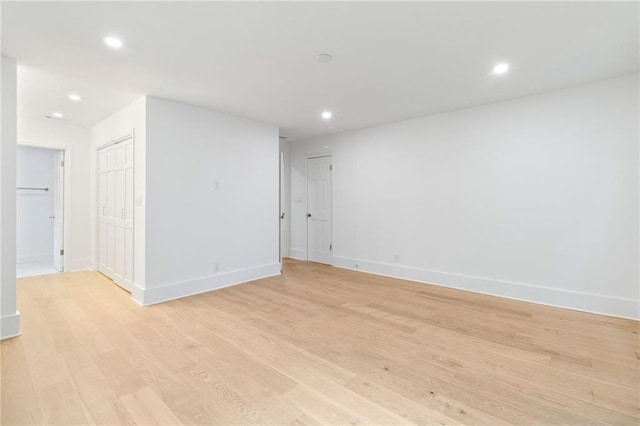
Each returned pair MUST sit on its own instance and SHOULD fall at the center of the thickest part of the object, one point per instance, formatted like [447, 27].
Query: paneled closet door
[115, 215]
[106, 181]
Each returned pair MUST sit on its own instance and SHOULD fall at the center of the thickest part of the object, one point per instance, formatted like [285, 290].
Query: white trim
[127, 136]
[576, 300]
[82, 265]
[45, 257]
[10, 326]
[296, 253]
[177, 290]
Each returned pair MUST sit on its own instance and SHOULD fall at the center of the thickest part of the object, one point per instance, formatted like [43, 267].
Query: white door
[58, 211]
[115, 212]
[319, 245]
[284, 244]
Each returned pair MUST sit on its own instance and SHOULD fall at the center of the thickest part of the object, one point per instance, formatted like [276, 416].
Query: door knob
[308, 214]
[52, 217]
[282, 215]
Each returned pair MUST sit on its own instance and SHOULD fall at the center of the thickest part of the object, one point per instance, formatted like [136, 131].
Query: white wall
[128, 120]
[533, 199]
[75, 141]
[9, 315]
[34, 228]
[212, 201]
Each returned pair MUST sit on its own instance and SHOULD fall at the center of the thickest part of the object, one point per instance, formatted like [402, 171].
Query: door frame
[60, 163]
[306, 196]
[96, 203]
[280, 205]
[66, 196]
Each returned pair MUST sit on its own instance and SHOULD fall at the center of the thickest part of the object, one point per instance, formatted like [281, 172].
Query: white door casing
[58, 211]
[115, 212]
[319, 198]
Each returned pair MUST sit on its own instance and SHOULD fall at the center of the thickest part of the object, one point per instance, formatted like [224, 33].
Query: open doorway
[40, 211]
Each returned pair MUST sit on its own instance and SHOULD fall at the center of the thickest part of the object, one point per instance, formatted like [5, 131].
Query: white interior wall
[212, 201]
[129, 120]
[534, 198]
[9, 315]
[34, 227]
[75, 141]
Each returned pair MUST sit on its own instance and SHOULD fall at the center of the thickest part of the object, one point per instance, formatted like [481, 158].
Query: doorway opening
[39, 211]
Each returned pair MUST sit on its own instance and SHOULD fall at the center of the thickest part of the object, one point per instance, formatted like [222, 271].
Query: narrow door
[319, 245]
[282, 206]
[106, 199]
[58, 211]
[115, 212]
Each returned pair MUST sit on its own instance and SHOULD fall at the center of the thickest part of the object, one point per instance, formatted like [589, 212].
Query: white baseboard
[153, 295]
[10, 326]
[299, 254]
[580, 301]
[81, 265]
[45, 257]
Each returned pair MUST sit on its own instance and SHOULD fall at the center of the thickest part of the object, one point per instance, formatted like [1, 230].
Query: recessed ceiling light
[326, 115]
[501, 68]
[113, 42]
[323, 58]
[75, 98]
[57, 115]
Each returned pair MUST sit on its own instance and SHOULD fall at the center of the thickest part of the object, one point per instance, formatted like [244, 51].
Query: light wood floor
[316, 345]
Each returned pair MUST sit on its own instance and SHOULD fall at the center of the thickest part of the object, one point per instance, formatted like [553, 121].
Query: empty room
[293, 213]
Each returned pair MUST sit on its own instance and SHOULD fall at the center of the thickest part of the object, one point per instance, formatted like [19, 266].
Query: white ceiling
[392, 61]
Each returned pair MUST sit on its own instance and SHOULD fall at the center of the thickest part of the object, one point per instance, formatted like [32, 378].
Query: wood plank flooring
[317, 345]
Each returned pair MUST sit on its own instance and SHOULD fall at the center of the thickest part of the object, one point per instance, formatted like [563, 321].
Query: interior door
[283, 235]
[319, 195]
[58, 211]
[106, 199]
[115, 212]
